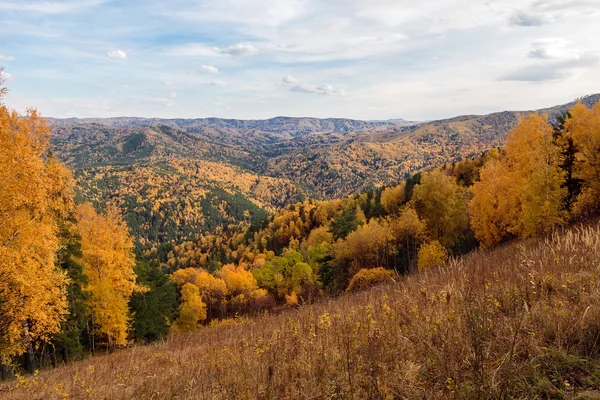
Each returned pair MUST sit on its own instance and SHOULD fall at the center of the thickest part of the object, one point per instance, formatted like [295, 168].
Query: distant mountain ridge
[288, 124]
[294, 126]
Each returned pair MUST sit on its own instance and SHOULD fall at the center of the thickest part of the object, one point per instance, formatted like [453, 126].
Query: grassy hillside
[520, 321]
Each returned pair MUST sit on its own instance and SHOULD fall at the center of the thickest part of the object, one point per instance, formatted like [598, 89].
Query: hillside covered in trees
[178, 180]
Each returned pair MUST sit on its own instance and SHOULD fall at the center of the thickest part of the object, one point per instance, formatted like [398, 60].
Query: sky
[362, 59]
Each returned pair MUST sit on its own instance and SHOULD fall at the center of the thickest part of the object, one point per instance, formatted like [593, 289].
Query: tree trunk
[90, 336]
[5, 371]
[29, 356]
[65, 355]
[53, 356]
[30, 364]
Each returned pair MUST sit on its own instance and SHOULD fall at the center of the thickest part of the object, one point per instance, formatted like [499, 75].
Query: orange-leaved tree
[32, 290]
[522, 193]
[108, 262]
[584, 129]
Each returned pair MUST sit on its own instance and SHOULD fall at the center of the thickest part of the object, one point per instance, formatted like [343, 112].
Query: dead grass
[521, 321]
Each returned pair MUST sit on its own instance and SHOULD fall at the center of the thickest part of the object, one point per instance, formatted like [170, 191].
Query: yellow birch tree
[32, 290]
[108, 262]
[584, 128]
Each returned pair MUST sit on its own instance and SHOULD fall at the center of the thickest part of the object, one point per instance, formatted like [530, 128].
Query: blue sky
[365, 59]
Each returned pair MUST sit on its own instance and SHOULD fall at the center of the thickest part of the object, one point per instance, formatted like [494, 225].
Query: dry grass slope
[522, 321]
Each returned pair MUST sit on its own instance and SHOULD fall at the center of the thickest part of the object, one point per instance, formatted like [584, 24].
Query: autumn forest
[326, 242]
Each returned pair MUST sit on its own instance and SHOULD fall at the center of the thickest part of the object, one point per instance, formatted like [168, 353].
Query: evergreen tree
[153, 310]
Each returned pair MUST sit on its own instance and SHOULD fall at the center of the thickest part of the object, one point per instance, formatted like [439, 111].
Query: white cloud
[217, 83]
[6, 58]
[203, 50]
[553, 49]
[240, 49]
[288, 80]
[321, 89]
[118, 54]
[556, 59]
[330, 90]
[209, 69]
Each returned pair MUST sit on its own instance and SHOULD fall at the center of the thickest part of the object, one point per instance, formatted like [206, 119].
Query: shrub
[368, 277]
[431, 254]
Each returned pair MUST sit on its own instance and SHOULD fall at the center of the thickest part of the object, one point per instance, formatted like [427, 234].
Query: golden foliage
[584, 128]
[320, 235]
[392, 198]
[32, 290]
[431, 254]
[409, 231]
[367, 245]
[108, 262]
[238, 279]
[185, 275]
[534, 160]
[191, 310]
[210, 286]
[494, 207]
[522, 193]
[441, 203]
[368, 277]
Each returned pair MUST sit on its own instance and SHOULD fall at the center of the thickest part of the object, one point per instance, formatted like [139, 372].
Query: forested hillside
[231, 173]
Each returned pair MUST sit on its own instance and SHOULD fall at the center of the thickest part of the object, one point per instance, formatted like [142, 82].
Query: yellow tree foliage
[191, 310]
[494, 207]
[185, 275]
[61, 191]
[241, 285]
[441, 203]
[211, 289]
[392, 198]
[320, 235]
[208, 283]
[32, 290]
[431, 254]
[535, 163]
[291, 299]
[584, 128]
[409, 231]
[367, 245]
[238, 279]
[368, 277]
[521, 194]
[108, 262]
